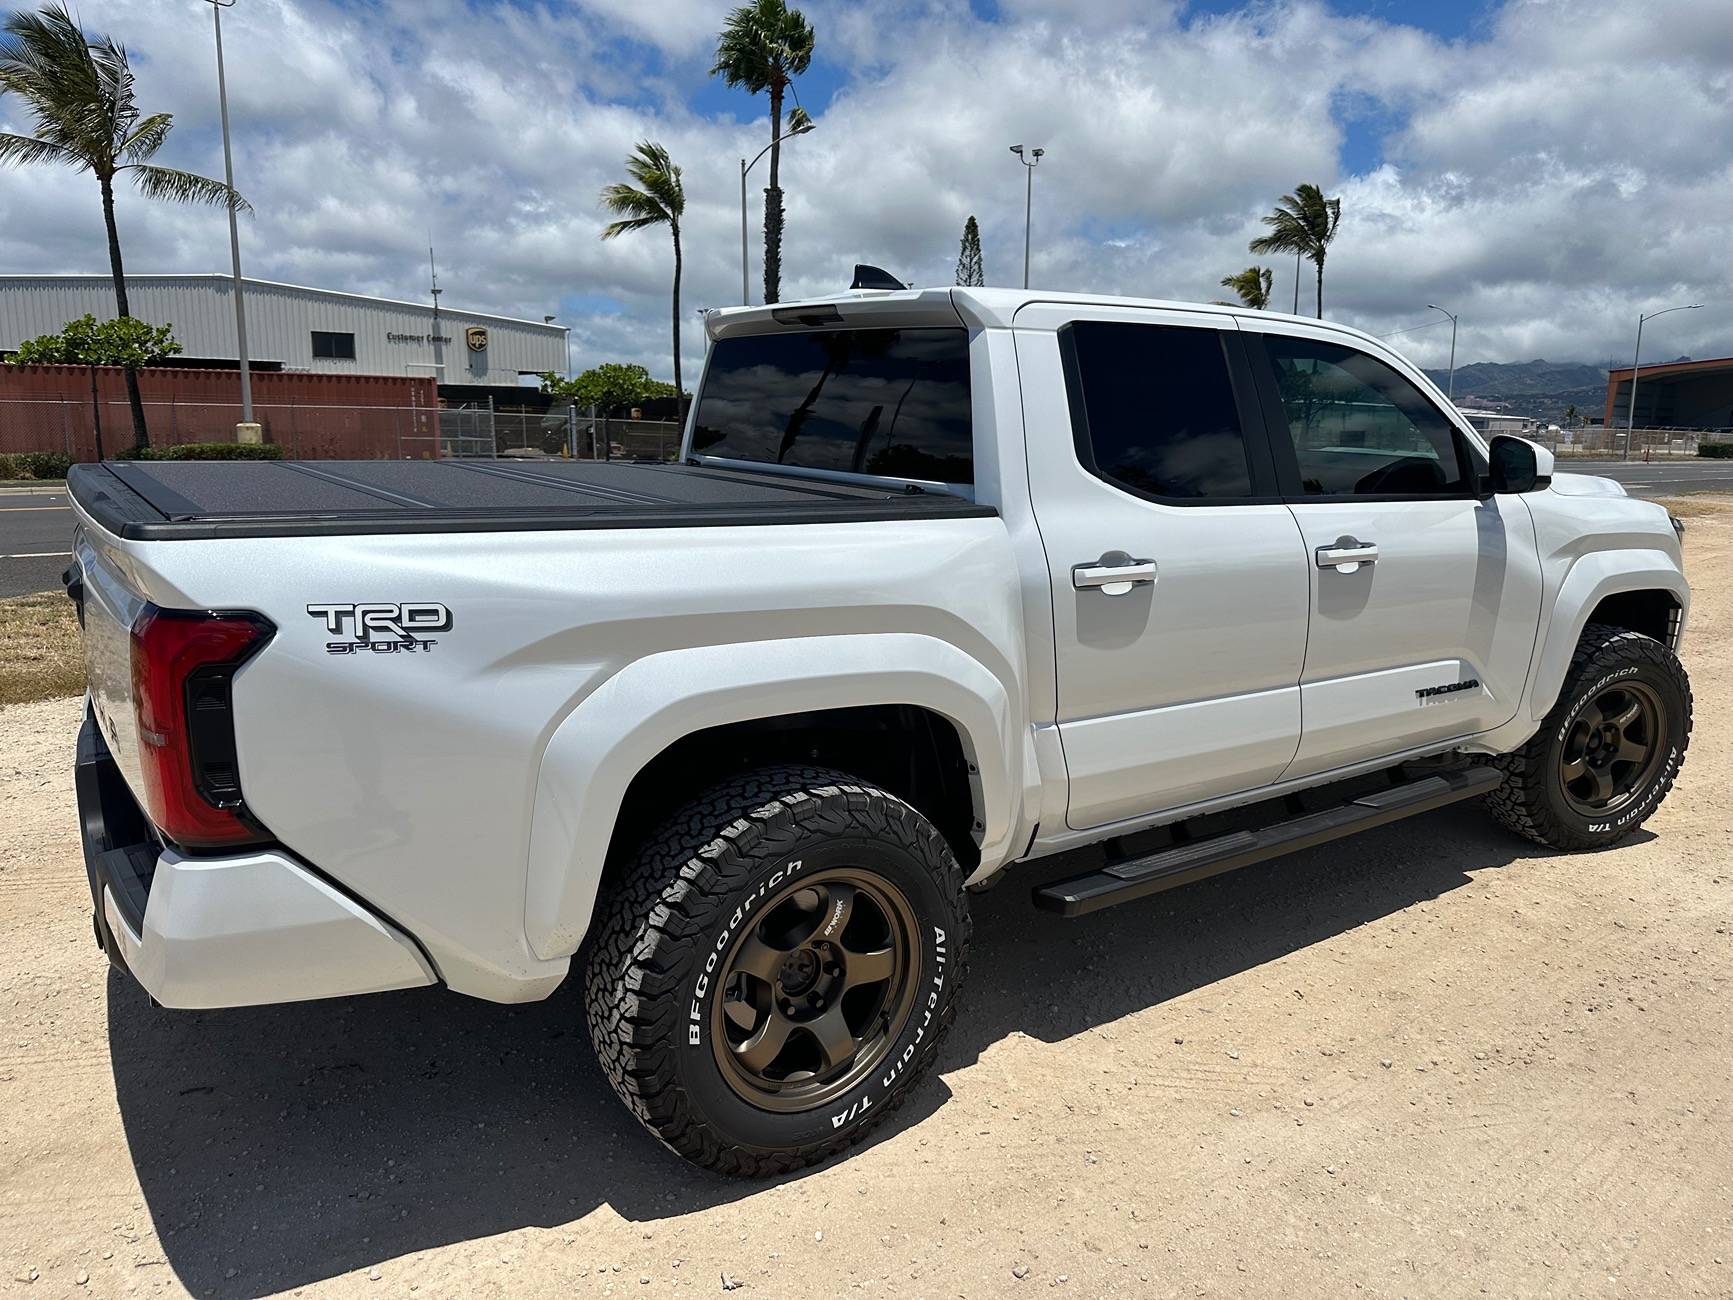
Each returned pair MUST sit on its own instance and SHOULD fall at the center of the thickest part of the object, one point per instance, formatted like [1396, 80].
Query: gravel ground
[1430, 1061]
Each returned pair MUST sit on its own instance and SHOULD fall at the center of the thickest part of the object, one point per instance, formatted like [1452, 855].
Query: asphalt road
[1661, 478]
[35, 541]
[36, 528]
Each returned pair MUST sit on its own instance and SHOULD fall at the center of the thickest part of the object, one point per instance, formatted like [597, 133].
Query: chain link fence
[1601, 442]
[317, 432]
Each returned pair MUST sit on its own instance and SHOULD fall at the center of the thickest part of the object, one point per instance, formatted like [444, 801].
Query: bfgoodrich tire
[775, 970]
[1608, 751]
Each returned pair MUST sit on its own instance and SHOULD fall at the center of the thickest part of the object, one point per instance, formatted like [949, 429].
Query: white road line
[34, 555]
[24, 510]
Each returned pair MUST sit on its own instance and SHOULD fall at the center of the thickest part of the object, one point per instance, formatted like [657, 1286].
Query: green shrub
[1716, 450]
[34, 464]
[205, 451]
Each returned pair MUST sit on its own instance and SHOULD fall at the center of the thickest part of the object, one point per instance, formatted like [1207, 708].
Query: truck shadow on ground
[279, 1146]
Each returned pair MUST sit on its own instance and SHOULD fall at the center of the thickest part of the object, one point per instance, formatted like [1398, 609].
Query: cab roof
[981, 308]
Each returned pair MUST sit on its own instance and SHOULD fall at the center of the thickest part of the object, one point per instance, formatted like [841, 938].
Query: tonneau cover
[167, 500]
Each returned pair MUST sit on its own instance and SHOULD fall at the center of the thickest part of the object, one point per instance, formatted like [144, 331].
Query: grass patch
[41, 656]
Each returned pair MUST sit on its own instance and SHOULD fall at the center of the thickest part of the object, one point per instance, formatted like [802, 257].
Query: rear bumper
[240, 930]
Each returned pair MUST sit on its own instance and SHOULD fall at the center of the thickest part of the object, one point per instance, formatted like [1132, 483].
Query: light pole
[217, 7]
[1450, 391]
[800, 127]
[1030, 163]
[1636, 363]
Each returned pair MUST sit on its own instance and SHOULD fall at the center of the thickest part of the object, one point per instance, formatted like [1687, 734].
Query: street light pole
[1030, 162]
[801, 128]
[1450, 391]
[217, 7]
[1636, 365]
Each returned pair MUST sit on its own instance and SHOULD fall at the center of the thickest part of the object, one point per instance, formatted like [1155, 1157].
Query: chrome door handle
[1347, 555]
[1114, 574]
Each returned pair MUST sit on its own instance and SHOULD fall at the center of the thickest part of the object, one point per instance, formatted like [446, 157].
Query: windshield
[893, 402]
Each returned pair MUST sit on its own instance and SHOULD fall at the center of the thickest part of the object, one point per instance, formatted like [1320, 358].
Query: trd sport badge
[382, 628]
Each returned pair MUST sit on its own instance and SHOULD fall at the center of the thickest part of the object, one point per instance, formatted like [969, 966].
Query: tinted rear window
[1160, 412]
[891, 402]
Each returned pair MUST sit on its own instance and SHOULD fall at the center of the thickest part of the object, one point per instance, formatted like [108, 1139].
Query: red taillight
[183, 662]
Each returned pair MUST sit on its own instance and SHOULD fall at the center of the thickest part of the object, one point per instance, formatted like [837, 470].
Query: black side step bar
[1184, 863]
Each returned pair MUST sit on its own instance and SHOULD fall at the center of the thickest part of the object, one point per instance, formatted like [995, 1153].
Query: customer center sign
[418, 338]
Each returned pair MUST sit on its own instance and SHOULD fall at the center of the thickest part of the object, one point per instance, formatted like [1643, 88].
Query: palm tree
[80, 92]
[1252, 285]
[658, 198]
[1570, 415]
[1303, 223]
[764, 45]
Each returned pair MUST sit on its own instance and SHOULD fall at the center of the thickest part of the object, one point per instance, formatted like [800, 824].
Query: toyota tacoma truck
[945, 582]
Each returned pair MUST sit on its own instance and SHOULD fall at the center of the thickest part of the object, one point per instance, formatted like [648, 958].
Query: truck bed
[170, 500]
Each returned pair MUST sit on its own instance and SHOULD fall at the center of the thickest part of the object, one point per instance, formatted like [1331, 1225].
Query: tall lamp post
[1030, 162]
[801, 127]
[1450, 391]
[1636, 364]
[217, 7]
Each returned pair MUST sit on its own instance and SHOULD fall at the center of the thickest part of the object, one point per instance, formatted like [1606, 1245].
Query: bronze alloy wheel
[1613, 749]
[814, 993]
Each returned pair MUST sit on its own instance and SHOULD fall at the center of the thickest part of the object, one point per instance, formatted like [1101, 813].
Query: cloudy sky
[1546, 168]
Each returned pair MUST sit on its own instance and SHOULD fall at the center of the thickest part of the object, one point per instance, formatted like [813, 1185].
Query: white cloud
[1569, 166]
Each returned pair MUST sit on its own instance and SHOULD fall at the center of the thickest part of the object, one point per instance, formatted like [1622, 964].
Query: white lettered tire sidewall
[1621, 820]
[670, 913]
[1532, 800]
[907, 1056]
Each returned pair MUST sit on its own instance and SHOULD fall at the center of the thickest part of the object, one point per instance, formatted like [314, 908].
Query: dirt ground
[1432, 1061]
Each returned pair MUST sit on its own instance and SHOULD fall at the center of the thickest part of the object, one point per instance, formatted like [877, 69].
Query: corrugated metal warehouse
[294, 328]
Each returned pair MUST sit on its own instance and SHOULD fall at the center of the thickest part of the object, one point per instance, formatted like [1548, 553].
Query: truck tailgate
[109, 609]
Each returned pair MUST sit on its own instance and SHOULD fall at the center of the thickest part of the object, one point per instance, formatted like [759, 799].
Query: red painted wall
[312, 416]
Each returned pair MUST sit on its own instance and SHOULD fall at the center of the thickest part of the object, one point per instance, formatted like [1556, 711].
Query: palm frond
[48, 63]
[762, 44]
[614, 229]
[658, 198]
[1303, 222]
[24, 150]
[659, 176]
[147, 137]
[184, 187]
[115, 79]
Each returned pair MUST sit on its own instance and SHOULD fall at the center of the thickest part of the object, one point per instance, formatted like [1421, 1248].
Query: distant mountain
[1542, 389]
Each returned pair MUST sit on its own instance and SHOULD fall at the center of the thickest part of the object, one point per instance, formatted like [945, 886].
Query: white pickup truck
[945, 581]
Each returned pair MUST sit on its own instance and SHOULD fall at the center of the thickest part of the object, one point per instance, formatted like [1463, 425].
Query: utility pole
[1030, 162]
[1636, 365]
[434, 338]
[1449, 392]
[217, 7]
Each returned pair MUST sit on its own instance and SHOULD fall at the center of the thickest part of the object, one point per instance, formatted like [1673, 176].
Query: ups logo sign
[476, 337]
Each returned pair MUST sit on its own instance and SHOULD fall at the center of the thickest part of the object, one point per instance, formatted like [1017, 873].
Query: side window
[1358, 427]
[333, 347]
[1154, 412]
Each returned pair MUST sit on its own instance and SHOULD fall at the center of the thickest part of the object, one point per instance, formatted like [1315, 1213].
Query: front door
[1425, 596]
[1178, 583]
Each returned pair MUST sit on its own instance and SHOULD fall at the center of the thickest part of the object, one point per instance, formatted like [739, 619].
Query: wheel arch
[1642, 591]
[645, 739]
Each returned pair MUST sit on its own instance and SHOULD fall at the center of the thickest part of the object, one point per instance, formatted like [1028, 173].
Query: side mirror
[1517, 465]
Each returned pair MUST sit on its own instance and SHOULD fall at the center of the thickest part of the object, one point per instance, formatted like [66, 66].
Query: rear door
[1177, 573]
[1425, 596]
